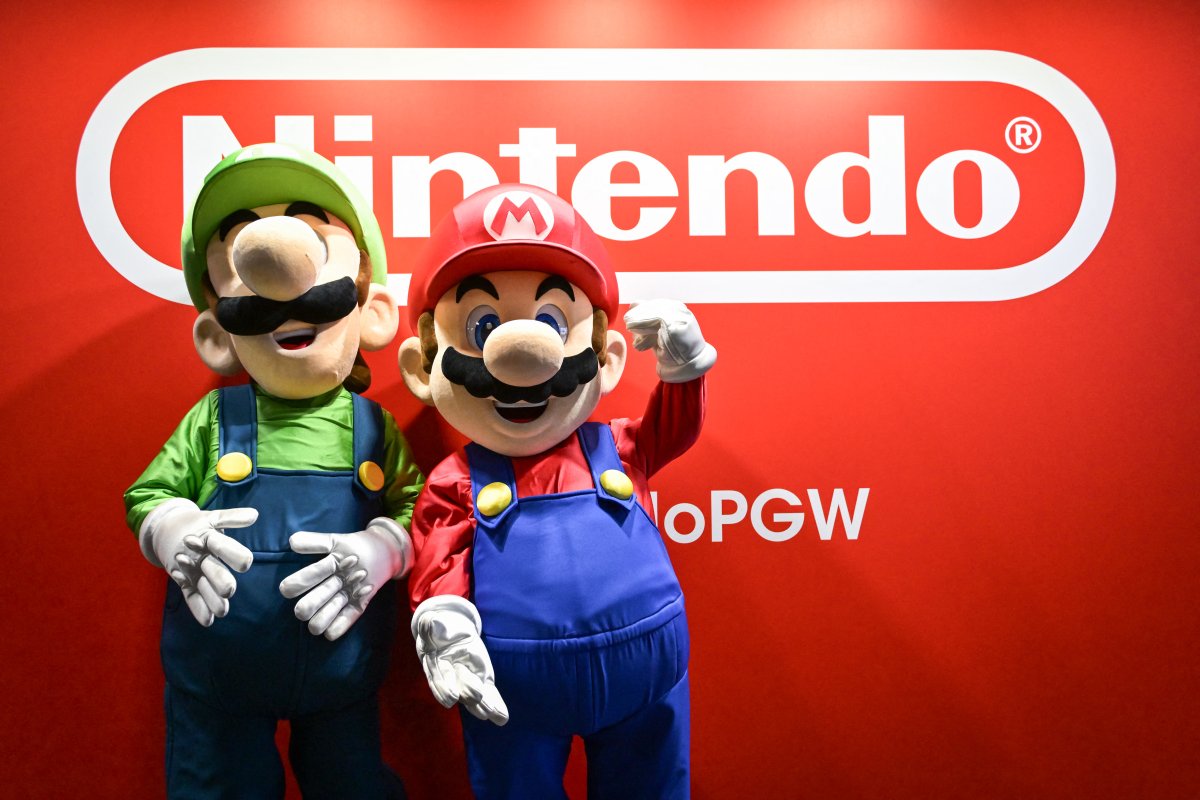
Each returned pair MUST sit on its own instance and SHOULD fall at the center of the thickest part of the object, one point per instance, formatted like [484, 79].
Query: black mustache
[252, 315]
[471, 373]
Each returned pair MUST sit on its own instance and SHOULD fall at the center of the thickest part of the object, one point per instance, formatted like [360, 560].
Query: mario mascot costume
[293, 481]
[545, 603]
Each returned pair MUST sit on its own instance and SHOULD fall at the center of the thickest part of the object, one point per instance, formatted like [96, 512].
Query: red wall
[1016, 614]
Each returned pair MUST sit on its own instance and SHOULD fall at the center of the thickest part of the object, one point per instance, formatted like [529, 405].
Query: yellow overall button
[617, 484]
[493, 498]
[371, 475]
[233, 467]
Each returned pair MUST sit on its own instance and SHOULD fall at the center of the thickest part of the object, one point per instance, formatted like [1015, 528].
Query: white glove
[671, 329]
[187, 542]
[343, 583]
[456, 662]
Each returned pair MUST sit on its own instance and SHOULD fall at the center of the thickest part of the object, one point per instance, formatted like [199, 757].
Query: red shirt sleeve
[671, 424]
[443, 529]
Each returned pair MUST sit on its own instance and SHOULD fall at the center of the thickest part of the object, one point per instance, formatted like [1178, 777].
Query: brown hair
[359, 379]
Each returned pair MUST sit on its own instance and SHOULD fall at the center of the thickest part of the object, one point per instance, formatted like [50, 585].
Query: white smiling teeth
[299, 333]
[519, 404]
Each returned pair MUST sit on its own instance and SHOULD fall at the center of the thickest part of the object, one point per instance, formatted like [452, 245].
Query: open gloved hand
[355, 567]
[189, 544]
[455, 660]
[671, 329]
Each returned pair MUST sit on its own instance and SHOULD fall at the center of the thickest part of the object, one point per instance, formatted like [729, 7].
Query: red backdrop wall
[1013, 614]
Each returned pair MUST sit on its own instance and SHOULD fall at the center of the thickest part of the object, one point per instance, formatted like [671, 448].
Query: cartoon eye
[480, 324]
[324, 254]
[554, 317]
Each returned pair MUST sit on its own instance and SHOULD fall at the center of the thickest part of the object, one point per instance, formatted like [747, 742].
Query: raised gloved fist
[355, 567]
[188, 543]
[671, 329]
[455, 660]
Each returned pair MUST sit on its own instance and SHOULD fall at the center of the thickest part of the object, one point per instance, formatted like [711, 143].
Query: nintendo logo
[93, 168]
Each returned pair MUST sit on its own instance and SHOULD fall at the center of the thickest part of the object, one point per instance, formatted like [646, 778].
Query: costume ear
[214, 345]
[412, 369]
[380, 318]
[614, 363]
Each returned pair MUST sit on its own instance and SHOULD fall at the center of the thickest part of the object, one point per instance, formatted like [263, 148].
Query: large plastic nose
[278, 257]
[523, 352]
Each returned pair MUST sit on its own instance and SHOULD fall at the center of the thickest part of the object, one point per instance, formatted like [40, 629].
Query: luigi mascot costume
[290, 486]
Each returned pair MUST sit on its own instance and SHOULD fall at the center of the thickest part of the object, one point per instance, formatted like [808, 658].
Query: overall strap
[368, 439]
[490, 471]
[600, 450]
[237, 423]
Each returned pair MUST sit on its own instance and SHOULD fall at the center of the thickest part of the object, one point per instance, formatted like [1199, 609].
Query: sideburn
[359, 379]
[363, 281]
[429, 345]
[600, 335]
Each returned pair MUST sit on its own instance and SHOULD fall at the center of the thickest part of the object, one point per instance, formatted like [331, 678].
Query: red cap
[512, 226]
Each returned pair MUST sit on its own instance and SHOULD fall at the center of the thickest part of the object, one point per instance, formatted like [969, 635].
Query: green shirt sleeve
[403, 477]
[181, 467]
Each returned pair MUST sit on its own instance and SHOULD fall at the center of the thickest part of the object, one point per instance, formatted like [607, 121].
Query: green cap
[265, 174]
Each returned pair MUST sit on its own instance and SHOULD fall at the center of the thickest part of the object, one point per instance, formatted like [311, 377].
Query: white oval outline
[492, 209]
[535, 64]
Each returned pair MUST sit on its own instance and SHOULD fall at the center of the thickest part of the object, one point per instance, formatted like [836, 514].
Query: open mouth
[521, 411]
[295, 340]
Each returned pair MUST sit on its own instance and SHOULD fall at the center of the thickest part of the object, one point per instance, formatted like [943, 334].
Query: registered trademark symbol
[1023, 135]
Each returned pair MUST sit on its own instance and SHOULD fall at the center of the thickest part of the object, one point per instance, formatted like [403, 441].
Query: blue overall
[229, 684]
[584, 620]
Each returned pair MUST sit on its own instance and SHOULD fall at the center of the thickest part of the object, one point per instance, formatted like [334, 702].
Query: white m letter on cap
[518, 215]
